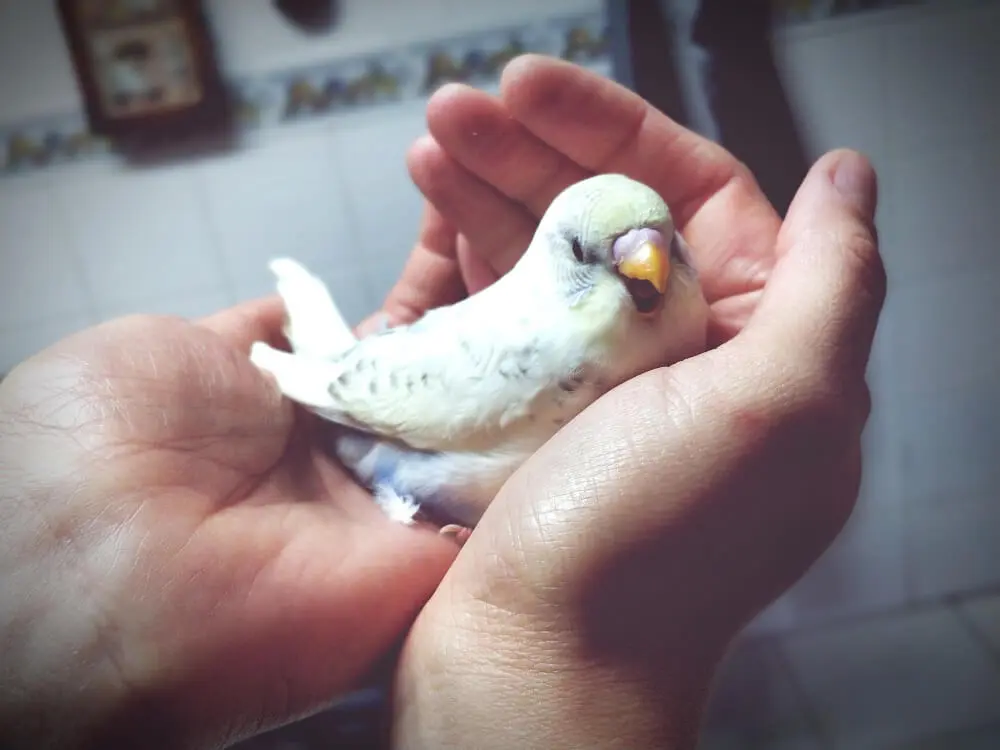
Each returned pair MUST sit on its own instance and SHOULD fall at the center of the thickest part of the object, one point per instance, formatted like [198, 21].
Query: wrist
[516, 691]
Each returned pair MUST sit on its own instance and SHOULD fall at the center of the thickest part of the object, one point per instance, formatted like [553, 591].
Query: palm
[275, 558]
[491, 166]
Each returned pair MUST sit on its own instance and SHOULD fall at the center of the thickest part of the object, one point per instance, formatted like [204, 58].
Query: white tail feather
[303, 380]
[314, 325]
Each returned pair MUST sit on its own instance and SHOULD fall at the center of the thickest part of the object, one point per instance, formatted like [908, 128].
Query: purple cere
[632, 239]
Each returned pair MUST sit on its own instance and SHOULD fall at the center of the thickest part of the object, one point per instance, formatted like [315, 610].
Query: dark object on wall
[755, 118]
[147, 70]
[725, 56]
[312, 16]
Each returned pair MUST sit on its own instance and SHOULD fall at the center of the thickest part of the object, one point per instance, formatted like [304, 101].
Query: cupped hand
[591, 604]
[490, 166]
[182, 565]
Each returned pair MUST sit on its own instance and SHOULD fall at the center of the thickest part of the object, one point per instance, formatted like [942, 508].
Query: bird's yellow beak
[650, 262]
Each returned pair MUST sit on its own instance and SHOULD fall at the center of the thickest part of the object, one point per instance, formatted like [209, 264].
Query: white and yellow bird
[439, 413]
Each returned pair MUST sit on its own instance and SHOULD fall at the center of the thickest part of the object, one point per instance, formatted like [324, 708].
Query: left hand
[182, 565]
[594, 599]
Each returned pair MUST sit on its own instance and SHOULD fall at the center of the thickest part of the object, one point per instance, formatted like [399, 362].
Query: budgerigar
[439, 413]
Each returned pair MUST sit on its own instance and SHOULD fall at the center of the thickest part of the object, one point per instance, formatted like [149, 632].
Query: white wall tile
[882, 682]
[371, 150]
[139, 234]
[191, 306]
[351, 291]
[983, 614]
[942, 84]
[943, 332]
[938, 209]
[283, 197]
[382, 277]
[21, 342]
[754, 697]
[947, 441]
[951, 543]
[40, 278]
[971, 738]
[30, 33]
[836, 86]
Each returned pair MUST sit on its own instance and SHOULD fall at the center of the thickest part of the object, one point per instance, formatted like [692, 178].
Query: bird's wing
[436, 385]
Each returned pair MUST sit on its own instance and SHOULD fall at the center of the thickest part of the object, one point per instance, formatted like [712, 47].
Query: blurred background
[893, 639]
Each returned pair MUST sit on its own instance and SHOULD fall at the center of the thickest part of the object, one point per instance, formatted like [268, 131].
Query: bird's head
[612, 226]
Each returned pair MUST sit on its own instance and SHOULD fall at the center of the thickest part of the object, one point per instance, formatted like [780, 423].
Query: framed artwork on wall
[147, 68]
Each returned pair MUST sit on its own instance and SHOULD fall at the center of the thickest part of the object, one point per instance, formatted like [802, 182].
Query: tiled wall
[914, 88]
[917, 89]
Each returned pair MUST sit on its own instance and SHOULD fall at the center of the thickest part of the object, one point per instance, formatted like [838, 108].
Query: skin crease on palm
[206, 571]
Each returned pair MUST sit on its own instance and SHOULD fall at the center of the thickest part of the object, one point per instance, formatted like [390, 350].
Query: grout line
[366, 268]
[950, 603]
[214, 233]
[906, 609]
[811, 714]
[992, 654]
[71, 249]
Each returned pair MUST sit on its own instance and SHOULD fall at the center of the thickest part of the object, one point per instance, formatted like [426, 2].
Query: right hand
[592, 603]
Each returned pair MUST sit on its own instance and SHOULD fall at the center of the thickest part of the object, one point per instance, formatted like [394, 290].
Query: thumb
[700, 491]
[828, 286]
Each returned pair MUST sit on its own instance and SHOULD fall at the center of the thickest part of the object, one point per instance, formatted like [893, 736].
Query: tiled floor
[926, 678]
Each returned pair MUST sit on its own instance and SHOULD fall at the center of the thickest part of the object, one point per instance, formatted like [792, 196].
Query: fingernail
[460, 534]
[855, 180]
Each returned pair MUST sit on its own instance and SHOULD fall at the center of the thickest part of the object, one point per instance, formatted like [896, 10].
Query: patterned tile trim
[47, 142]
[337, 86]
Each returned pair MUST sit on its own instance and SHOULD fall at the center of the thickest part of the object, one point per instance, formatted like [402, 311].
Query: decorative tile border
[415, 72]
[387, 76]
[47, 142]
[337, 86]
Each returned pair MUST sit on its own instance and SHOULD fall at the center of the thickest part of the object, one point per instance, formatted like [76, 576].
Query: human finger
[497, 227]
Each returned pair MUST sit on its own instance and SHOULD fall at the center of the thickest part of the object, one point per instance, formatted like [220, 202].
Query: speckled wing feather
[441, 387]
[433, 387]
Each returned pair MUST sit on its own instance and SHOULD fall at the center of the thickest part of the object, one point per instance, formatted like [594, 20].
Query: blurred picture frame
[147, 69]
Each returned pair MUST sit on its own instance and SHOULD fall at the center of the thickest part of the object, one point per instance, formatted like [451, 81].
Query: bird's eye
[577, 250]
